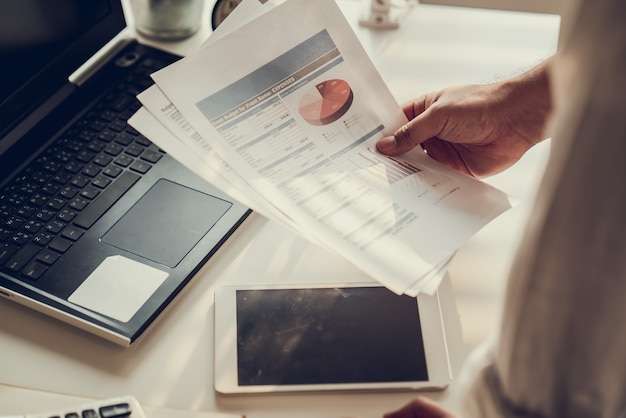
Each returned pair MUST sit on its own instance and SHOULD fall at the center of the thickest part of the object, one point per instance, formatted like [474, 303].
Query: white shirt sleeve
[562, 345]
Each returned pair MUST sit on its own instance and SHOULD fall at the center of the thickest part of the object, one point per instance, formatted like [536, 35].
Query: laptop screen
[41, 43]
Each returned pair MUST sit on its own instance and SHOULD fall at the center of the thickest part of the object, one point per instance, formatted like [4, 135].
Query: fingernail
[387, 144]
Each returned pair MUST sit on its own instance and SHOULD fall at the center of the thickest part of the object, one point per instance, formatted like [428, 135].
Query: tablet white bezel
[225, 365]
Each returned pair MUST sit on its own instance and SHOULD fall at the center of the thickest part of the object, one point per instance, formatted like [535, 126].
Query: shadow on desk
[172, 365]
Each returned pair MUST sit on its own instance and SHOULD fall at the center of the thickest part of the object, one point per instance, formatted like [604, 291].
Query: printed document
[283, 114]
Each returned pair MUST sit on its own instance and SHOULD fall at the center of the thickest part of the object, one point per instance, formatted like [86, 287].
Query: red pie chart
[326, 102]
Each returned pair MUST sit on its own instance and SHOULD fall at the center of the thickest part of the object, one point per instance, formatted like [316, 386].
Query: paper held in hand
[283, 114]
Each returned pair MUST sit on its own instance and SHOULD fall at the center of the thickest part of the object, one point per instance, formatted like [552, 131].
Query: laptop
[98, 227]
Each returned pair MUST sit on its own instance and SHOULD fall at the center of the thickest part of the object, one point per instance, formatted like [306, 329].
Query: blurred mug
[167, 19]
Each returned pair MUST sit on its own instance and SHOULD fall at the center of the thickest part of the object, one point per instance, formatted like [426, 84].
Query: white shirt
[562, 343]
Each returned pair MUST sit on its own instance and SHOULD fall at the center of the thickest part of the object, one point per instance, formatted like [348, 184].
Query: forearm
[529, 96]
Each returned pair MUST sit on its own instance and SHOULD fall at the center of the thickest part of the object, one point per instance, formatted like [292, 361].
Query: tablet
[327, 337]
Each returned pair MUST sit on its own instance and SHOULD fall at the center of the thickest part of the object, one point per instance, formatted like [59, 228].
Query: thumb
[410, 135]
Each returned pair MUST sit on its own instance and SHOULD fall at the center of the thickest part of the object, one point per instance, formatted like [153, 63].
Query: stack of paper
[281, 108]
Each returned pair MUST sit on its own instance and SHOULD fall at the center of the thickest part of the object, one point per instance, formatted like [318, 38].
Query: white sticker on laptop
[118, 288]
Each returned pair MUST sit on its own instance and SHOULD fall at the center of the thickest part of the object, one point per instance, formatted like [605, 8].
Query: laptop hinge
[98, 60]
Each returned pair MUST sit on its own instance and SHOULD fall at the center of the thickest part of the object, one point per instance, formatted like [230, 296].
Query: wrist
[529, 102]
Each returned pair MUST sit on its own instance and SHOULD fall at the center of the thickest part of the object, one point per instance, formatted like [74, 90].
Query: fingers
[420, 407]
[400, 142]
[423, 127]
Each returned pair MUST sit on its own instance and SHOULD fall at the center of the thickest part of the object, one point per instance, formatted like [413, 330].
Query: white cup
[167, 20]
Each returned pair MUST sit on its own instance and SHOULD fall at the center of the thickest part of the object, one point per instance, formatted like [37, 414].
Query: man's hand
[478, 129]
[420, 408]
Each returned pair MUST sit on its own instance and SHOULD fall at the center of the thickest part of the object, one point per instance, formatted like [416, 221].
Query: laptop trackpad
[166, 223]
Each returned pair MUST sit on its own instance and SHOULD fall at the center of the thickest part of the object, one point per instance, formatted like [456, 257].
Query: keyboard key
[119, 102]
[90, 193]
[96, 146]
[124, 139]
[134, 150]
[42, 238]
[115, 411]
[45, 214]
[89, 413]
[73, 167]
[78, 203]
[111, 195]
[142, 140]
[96, 125]
[80, 181]
[62, 177]
[6, 251]
[5, 234]
[107, 136]
[102, 160]
[140, 166]
[72, 233]
[66, 215]
[107, 115]
[34, 270]
[20, 238]
[151, 156]
[68, 192]
[59, 244]
[50, 189]
[117, 125]
[5, 210]
[101, 182]
[123, 160]
[112, 171]
[32, 226]
[21, 257]
[64, 156]
[54, 226]
[13, 223]
[56, 203]
[38, 199]
[26, 211]
[91, 170]
[114, 149]
[85, 156]
[47, 256]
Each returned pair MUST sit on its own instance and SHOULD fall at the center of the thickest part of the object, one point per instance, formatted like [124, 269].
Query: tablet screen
[327, 336]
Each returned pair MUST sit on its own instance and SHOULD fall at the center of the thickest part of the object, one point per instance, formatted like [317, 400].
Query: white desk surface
[47, 364]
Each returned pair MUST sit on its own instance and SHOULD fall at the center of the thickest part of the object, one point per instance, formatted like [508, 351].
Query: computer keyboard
[63, 192]
[119, 407]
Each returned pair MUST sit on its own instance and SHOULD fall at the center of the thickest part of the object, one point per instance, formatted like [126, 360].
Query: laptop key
[90, 193]
[124, 160]
[20, 238]
[22, 256]
[112, 171]
[47, 256]
[54, 226]
[89, 413]
[6, 251]
[45, 214]
[42, 238]
[5, 234]
[140, 166]
[34, 270]
[101, 182]
[72, 233]
[112, 194]
[60, 244]
[115, 411]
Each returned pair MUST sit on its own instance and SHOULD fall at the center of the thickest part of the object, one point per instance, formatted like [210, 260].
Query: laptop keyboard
[52, 202]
